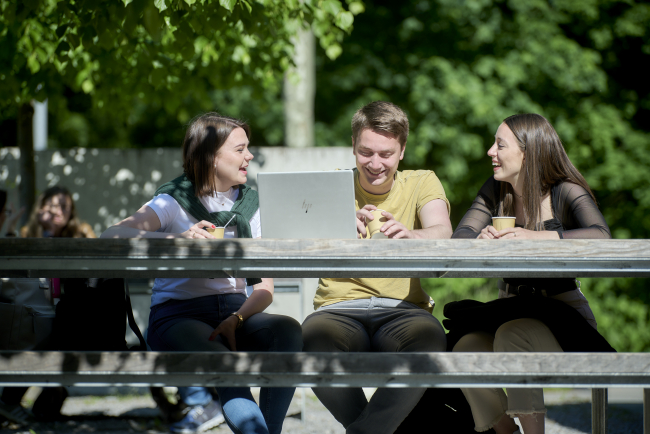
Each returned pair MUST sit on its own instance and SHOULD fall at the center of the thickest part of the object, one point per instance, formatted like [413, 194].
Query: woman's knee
[475, 342]
[525, 335]
[286, 332]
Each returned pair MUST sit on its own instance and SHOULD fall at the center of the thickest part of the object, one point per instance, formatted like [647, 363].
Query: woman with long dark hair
[55, 215]
[535, 182]
[200, 314]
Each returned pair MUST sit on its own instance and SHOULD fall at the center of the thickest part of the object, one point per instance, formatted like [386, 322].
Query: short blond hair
[381, 117]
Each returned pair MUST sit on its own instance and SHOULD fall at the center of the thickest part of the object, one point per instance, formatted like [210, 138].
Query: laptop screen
[307, 204]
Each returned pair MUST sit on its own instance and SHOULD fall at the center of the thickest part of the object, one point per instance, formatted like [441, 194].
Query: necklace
[513, 192]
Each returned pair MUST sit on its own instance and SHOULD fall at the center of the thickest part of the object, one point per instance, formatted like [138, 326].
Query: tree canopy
[154, 51]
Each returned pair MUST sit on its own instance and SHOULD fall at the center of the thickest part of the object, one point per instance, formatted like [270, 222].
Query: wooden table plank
[322, 258]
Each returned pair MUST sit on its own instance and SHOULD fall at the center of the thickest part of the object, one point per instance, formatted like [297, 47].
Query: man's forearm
[433, 232]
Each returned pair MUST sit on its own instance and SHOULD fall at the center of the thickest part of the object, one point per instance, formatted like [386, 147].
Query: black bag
[91, 316]
[440, 410]
[572, 331]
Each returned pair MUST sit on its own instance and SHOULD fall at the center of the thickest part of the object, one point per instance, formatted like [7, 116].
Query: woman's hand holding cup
[197, 231]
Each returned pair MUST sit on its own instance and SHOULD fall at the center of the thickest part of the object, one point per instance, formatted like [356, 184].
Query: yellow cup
[216, 232]
[501, 223]
[376, 224]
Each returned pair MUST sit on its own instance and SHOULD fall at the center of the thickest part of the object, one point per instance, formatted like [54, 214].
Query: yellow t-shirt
[411, 190]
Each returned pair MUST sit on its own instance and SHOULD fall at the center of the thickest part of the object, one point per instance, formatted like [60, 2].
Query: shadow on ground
[621, 418]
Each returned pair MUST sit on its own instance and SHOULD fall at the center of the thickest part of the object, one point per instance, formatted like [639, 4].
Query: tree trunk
[299, 93]
[27, 187]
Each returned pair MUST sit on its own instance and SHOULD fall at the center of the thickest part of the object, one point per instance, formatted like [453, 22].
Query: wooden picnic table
[130, 258]
[137, 258]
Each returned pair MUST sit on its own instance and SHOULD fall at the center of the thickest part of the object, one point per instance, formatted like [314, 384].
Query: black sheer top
[575, 215]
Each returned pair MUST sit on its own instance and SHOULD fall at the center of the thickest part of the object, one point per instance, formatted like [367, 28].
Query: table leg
[646, 411]
[599, 411]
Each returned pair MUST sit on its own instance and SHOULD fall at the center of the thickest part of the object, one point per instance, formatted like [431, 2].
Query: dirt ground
[569, 412]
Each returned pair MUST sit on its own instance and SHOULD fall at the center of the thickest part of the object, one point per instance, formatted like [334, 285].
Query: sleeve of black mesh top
[579, 214]
[479, 215]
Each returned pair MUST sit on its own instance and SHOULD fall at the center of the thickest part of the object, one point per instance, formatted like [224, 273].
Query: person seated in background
[201, 314]
[381, 314]
[535, 182]
[55, 215]
[9, 216]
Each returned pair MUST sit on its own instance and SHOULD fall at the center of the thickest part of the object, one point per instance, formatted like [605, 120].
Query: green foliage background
[458, 67]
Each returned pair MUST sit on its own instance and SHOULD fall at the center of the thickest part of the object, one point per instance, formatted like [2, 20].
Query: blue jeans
[195, 396]
[185, 325]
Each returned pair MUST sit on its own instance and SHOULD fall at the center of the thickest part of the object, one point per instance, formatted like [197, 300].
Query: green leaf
[356, 7]
[33, 64]
[72, 39]
[153, 23]
[333, 51]
[63, 47]
[228, 4]
[344, 20]
[87, 86]
[60, 31]
[248, 5]
[332, 7]
[160, 4]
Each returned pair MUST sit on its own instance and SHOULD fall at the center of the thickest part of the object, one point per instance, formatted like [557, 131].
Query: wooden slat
[322, 258]
[328, 369]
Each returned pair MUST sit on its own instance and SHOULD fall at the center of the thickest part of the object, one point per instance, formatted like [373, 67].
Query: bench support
[646, 411]
[599, 411]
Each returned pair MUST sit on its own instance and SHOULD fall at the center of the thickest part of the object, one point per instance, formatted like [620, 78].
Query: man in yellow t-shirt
[381, 314]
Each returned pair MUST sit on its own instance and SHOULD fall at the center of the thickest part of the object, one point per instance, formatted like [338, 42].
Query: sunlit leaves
[228, 4]
[151, 49]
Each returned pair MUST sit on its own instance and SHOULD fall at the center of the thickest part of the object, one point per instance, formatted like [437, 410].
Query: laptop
[307, 204]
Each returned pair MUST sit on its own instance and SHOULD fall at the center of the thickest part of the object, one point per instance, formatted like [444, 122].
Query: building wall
[110, 184]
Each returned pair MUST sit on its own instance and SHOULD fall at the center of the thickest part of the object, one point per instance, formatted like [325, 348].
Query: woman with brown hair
[56, 216]
[200, 314]
[535, 182]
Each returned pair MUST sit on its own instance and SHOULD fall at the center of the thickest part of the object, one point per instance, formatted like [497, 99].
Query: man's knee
[422, 332]
[323, 331]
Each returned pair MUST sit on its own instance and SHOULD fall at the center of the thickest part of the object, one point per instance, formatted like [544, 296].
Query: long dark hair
[72, 229]
[545, 164]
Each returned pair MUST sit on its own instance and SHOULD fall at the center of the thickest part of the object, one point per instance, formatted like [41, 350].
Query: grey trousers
[366, 326]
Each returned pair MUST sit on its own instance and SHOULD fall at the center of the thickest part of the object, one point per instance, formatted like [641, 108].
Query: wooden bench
[331, 258]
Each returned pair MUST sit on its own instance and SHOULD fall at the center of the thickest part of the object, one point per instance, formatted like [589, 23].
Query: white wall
[110, 184]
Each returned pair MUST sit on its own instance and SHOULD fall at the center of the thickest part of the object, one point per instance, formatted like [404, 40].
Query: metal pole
[599, 411]
[646, 411]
